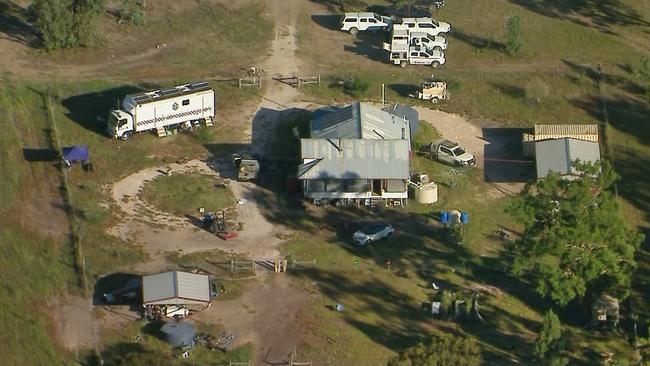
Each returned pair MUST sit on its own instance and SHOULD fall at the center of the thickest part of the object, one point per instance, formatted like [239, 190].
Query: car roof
[364, 14]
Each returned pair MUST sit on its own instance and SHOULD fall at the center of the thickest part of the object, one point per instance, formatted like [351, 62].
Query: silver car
[373, 232]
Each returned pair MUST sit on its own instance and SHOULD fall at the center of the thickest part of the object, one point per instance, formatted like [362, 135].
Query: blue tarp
[76, 153]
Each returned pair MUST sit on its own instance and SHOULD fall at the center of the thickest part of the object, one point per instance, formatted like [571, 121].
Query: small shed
[558, 155]
[175, 288]
[553, 132]
[179, 334]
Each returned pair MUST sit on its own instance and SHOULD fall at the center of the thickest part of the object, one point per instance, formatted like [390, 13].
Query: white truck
[424, 25]
[403, 54]
[401, 37]
[182, 106]
[448, 152]
[355, 22]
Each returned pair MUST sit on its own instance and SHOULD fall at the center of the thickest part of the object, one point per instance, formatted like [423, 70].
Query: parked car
[355, 22]
[424, 25]
[373, 232]
[448, 152]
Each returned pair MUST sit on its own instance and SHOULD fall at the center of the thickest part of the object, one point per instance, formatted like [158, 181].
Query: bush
[536, 90]
[515, 34]
[642, 70]
[445, 350]
[133, 11]
[547, 341]
[66, 23]
[446, 303]
[355, 86]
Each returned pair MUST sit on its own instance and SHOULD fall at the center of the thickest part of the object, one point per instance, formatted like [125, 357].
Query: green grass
[183, 194]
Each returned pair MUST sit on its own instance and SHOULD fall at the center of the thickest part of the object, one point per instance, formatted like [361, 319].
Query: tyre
[125, 136]
[368, 242]
[437, 48]
[354, 31]
[435, 100]
[435, 64]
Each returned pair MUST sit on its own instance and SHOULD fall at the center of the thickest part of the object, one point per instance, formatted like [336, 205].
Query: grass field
[183, 194]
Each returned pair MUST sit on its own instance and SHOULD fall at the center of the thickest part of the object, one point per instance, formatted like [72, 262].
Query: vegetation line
[75, 225]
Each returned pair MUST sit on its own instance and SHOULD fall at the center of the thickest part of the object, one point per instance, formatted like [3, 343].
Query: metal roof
[175, 288]
[354, 158]
[559, 154]
[184, 89]
[580, 132]
[360, 121]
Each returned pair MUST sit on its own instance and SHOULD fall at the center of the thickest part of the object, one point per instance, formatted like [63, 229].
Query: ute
[448, 152]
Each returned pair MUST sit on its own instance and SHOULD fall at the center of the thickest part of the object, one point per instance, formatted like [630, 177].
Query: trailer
[163, 111]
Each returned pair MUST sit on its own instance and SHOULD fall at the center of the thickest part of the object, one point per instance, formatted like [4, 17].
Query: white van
[355, 22]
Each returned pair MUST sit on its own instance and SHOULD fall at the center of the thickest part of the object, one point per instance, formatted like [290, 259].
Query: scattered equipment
[165, 110]
[246, 165]
[216, 223]
[76, 153]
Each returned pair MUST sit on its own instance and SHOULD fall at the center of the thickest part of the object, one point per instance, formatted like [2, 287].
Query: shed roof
[580, 132]
[360, 121]
[559, 154]
[175, 287]
[354, 158]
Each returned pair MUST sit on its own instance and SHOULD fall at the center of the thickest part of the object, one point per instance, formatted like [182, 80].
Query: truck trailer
[183, 106]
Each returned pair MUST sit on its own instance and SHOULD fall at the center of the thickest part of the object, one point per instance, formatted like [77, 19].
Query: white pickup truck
[403, 54]
[436, 43]
[448, 152]
[355, 22]
[424, 25]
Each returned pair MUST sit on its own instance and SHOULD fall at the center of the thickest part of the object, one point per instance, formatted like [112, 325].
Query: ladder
[161, 132]
[208, 122]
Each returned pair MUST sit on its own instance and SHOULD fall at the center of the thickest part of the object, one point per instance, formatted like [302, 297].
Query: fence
[254, 80]
[297, 81]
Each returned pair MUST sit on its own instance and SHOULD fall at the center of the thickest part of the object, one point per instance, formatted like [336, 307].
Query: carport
[167, 292]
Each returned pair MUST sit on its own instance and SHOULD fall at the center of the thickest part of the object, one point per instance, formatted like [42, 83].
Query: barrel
[444, 217]
[464, 218]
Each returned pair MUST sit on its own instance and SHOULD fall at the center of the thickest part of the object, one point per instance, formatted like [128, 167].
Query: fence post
[318, 79]
[298, 77]
[239, 80]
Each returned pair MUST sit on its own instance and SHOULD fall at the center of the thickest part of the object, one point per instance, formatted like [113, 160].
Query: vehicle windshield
[434, 23]
[458, 151]
[112, 120]
[430, 37]
[428, 52]
[378, 17]
[373, 228]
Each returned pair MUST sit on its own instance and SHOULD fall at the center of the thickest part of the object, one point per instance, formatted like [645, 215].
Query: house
[175, 288]
[558, 155]
[553, 132]
[353, 170]
[360, 121]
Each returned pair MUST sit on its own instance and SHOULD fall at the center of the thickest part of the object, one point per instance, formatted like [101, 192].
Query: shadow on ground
[13, 24]
[503, 155]
[477, 41]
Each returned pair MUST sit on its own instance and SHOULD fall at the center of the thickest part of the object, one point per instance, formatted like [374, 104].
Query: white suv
[424, 25]
[355, 22]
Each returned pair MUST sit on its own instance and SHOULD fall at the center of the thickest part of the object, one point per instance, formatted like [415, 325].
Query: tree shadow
[337, 6]
[596, 74]
[600, 14]
[121, 287]
[503, 156]
[478, 42]
[90, 110]
[513, 91]
[13, 25]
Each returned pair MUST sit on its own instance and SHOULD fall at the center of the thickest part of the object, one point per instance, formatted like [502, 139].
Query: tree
[445, 350]
[575, 240]
[54, 20]
[536, 90]
[515, 34]
[549, 335]
[66, 23]
[133, 11]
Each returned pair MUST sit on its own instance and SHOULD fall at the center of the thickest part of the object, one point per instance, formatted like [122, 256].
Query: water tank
[426, 193]
[179, 334]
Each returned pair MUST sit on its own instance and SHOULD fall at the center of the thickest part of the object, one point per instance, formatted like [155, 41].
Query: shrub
[133, 11]
[536, 90]
[515, 34]
[355, 86]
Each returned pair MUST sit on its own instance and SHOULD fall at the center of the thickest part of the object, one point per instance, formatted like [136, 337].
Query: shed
[179, 334]
[605, 310]
[551, 132]
[175, 288]
[558, 155]
[360, 121]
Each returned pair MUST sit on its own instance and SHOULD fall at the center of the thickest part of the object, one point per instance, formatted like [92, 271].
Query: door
[376, 187]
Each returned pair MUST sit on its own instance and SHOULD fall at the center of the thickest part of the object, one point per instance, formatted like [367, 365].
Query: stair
[161, 132]
[208, 122]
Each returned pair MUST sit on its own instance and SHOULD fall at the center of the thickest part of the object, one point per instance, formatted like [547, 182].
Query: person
[223, 289]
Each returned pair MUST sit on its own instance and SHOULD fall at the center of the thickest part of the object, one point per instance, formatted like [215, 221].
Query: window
[121, 123]
[350, 20]
[186, 102]
[414, 54]
[445, 150]
[425, 25]
[371, 20]
[410, 25]
[364, 20]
